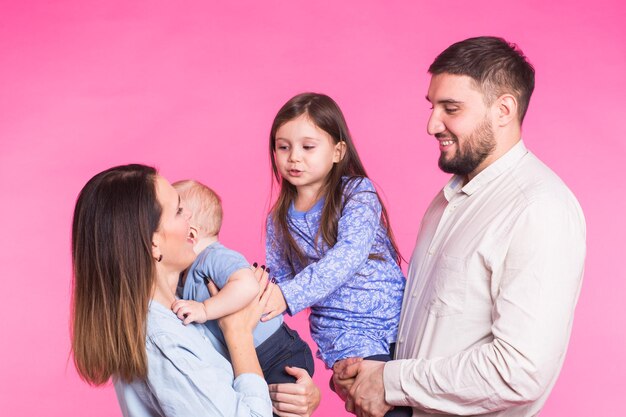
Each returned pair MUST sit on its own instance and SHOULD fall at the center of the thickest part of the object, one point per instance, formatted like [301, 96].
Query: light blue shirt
[355, 301]
[218, 263]
[189, 376]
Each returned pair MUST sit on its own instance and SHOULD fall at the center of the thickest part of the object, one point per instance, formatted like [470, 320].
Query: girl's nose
[294, 155]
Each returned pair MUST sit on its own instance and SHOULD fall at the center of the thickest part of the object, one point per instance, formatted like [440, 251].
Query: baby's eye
[179, 211]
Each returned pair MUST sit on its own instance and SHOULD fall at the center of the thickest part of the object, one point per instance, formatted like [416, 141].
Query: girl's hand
[295, 400]
[275, 305]
[246, 319]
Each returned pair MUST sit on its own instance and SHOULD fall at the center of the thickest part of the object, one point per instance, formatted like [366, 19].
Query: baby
[276, 344]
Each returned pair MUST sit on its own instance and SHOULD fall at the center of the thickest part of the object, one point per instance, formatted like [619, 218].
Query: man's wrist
[392, 382]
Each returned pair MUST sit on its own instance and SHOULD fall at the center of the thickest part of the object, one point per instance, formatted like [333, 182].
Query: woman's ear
[156, 250]
[340, 151]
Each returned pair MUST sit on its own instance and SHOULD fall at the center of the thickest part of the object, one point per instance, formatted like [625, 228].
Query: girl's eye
[308, 147]
[281, 147]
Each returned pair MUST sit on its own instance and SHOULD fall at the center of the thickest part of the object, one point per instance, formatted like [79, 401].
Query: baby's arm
[241, 287]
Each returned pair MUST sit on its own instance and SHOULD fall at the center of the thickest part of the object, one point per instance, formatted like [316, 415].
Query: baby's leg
[284, 348]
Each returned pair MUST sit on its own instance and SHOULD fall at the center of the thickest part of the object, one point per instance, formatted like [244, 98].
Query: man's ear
[340, 151]
[506, 109]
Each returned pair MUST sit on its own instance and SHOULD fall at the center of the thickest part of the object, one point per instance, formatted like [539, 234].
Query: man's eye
[451, 111]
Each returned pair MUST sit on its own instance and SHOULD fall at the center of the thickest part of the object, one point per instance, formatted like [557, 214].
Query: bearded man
[497, 267]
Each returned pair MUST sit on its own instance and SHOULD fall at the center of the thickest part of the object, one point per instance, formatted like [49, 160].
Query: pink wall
[192, 87]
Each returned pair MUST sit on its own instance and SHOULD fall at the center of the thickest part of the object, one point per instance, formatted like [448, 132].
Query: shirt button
[414, 295]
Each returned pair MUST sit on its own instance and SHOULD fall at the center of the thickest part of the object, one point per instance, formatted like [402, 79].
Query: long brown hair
[116, 215]
[326, 115]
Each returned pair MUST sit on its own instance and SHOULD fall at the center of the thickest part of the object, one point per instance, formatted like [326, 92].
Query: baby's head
[205, 207]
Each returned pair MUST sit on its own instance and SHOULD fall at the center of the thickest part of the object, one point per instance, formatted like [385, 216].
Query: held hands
[298, 399]
[190, 311]
[366, 392]
[344, 376]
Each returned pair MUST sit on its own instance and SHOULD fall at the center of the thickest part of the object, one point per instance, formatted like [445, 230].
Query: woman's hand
[276, 304]
[246, 319]
[298, 399]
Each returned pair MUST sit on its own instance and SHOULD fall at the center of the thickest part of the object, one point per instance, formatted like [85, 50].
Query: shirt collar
[493, 171]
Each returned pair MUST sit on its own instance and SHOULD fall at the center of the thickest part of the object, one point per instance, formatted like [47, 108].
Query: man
[498, 263]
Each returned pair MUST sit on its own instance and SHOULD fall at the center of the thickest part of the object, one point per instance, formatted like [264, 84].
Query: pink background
[192, 88]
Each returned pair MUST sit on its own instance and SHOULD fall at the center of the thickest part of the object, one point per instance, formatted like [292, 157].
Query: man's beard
[476, 148]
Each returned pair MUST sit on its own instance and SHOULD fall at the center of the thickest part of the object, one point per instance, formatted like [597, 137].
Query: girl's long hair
[326, 115]
[116, 215]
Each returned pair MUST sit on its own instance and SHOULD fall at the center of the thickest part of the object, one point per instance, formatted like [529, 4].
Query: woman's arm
[188, 377]
[237, 328]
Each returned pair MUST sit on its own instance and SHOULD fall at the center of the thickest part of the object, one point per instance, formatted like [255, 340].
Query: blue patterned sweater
[355, 301]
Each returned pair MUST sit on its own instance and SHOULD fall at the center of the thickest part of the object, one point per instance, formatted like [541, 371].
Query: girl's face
[305, 154]
[172, 239]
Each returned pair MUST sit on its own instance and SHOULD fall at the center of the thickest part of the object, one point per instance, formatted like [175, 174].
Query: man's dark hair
[497, 67]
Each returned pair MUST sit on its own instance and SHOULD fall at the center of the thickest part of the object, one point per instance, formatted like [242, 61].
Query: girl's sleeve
[185, 386]
[275, 254]
[357, 227]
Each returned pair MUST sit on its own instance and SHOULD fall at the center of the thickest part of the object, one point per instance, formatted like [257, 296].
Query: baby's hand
[190, 311]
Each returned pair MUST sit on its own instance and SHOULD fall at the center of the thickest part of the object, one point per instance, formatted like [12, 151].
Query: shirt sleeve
[532, 317]
[186, 386]
[219, 265]
[356, 234]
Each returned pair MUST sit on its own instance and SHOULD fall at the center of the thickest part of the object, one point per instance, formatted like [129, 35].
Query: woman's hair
[116, 215]
[324, 113]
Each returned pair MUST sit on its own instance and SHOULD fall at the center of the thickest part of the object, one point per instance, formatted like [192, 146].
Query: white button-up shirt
[491, 291]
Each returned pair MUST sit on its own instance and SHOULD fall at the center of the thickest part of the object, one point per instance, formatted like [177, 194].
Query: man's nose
[434, 125]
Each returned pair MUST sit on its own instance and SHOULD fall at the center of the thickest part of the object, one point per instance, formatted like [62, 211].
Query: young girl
[329, 243]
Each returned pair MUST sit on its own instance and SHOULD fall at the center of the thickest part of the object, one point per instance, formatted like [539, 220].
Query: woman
[130, 242]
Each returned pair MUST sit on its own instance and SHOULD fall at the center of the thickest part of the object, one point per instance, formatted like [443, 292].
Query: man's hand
[344, 376]
[295, 400]
[368, 390]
